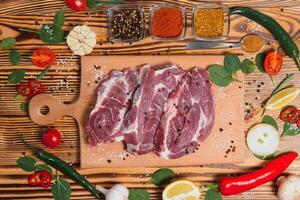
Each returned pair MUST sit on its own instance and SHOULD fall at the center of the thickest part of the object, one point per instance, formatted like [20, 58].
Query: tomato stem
[272, 80]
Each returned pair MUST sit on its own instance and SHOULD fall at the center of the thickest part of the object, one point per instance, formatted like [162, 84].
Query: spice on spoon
[252, 43]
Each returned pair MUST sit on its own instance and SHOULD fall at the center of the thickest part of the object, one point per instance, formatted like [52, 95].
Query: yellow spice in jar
[209, 22]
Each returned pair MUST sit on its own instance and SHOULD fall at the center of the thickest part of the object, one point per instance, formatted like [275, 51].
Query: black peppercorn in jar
[126, 23]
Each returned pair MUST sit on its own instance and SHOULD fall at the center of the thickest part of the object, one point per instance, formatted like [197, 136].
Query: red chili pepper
[26, 90]
[243, 183]
[288, 113]
[42, 178]
[38, 86]
[34, 180]
[273, 63]
[45, 179]
[295, 118]
[298, 122]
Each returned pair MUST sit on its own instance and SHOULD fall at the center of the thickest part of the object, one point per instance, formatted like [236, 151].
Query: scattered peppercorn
[127, 24]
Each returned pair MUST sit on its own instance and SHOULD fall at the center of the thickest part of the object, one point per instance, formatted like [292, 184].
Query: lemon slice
[282, 98]
[181, 190]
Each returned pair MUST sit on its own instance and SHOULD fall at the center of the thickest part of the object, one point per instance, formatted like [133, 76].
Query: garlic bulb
[81, 40]
[117, 192]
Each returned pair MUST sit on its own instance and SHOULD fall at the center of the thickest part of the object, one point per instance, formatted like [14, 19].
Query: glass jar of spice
[211, 21]
[167, 22]
[126, 23]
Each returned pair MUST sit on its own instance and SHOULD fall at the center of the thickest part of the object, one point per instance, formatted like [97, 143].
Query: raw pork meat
[142, 121]
[188, 117]
[114, 99]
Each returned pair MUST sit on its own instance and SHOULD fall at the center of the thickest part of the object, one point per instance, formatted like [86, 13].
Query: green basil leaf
[25, 106]
[270, 120]
[283, 83]
[247, 66]
[61, 190]
[16, 77]
[290, 129]
[59, 19]
[162, 176]
[138, 194]
[8, 43]
[44, 168]
[286, 126]
[14, 57]
[259, 61]
[42, 74]
[219, 76]
[26, 163]
[51, 36]
[212, 194]
[232, 63]
[18, 97]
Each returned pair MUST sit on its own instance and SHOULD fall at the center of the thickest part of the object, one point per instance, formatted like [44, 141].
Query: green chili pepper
[284, 39]
[63, 167]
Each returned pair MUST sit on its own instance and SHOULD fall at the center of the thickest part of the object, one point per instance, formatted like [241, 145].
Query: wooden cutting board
[226, 143]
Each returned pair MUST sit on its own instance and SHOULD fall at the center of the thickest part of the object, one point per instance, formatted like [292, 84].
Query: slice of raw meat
[114, 99]
[188, 116]
[142, 121]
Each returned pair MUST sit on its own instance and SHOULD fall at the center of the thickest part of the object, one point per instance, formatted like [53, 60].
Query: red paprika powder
[167, 22]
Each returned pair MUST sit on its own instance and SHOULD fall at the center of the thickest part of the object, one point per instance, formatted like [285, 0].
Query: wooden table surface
[32, 13]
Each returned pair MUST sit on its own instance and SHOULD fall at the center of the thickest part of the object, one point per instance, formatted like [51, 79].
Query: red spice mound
[167, 23]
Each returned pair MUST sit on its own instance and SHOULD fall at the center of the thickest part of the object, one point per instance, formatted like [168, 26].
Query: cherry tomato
[288, 113]
[77, 5]
[273, 63]
[52, 138]
[298, 122]
[43, 57]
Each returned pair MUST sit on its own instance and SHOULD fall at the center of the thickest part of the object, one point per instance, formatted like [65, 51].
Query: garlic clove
[77, 29]
[75, 46]
[85, 30]
[79, 52]
[91, 35]
[71, 41]
[91, 42]
[87, 49]
[73, 34]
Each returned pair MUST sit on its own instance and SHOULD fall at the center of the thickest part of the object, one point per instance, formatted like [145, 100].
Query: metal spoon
[217, 45]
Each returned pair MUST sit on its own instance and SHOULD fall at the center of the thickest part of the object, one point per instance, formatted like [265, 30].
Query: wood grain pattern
[31, 13]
